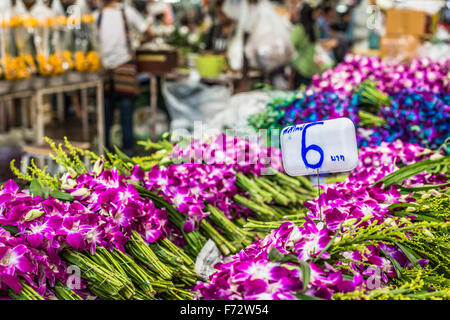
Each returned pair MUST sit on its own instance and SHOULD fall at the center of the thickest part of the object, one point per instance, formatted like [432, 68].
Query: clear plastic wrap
[48, 63]
[23, 36]
[84, 39]
[61, 38]
[12, 65]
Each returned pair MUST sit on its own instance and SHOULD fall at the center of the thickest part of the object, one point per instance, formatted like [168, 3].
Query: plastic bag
[235, 52]
[189, 101]
[269, 45]
[84, 42]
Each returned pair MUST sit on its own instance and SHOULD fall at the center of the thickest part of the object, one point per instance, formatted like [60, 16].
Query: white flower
[82, 192]
[98, 167]
[72, 172]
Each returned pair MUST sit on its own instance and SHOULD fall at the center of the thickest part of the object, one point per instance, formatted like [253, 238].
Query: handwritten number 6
[314, 147]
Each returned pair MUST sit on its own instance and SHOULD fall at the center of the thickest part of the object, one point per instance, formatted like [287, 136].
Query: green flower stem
[165, 255]
[101, 259]
[224, 246]
[277, 196]
[177, 250]
[232, 231]
[283, 178]
[307, 184]
[288, 192]
[95, 274]
[252, 188]
[27, 293]
[63, 292]
[262, 212]
[143, 296]
[139, 249]
[133, 270]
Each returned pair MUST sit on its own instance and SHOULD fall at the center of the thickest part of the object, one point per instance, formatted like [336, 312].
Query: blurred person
[293, 7]
[221, 31]
[305, 37]
[115, 21]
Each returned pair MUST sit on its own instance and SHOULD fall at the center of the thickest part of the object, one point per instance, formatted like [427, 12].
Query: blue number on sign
[314, 147]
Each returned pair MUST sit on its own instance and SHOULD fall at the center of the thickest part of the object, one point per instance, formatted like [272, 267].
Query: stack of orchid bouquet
[383, 233]
[385, 101]
[133, 231]
[132, 228]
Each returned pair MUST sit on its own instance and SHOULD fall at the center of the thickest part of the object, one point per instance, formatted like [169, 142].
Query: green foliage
[34, 173]
[421, 285]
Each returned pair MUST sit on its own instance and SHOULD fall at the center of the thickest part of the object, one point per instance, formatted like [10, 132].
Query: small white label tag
[327, 146]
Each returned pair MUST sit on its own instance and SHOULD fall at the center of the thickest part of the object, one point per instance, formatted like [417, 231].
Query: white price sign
[325, 146]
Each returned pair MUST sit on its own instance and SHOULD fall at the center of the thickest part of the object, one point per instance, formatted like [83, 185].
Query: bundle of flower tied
[132, 229]
[384, 235]
[386, 101]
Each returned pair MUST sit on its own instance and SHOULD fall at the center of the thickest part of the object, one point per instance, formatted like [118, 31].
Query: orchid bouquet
[96, 222]
[364, 249]
[142, 229]
[385, 101]
[102, 218]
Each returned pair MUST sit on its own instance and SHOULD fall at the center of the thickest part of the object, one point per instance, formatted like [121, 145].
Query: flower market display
[385, 101]
[133, 227]
[140, 229]
[384, 236]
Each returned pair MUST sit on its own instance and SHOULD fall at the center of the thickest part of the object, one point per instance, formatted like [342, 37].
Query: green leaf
[304, 297]
[411, 257]
[409, 171]
[423, 188]
[347, 277]
[397, 267]
[402, 205]
[45, 190]
[306, 274]
[63, 196]
[419, 217]
[275, 255]
[36, 188]
[11, 229]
